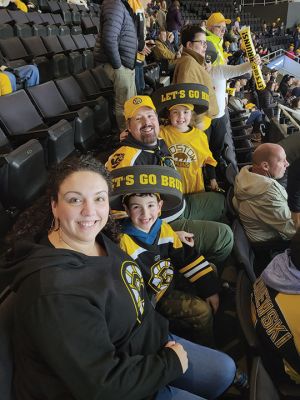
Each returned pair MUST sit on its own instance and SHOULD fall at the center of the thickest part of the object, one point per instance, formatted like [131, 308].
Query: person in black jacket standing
[116, 49]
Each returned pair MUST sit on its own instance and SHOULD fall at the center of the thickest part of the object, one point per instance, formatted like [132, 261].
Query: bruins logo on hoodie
[134, 282]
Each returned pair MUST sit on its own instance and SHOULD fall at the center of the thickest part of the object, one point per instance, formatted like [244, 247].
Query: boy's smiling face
[180, 117]
[143, 210]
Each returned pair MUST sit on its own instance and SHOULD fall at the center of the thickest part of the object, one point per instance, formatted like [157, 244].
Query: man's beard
[148, 137]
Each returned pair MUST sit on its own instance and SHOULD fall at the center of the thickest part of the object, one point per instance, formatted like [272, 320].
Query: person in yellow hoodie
[5, 85]
[10, 3]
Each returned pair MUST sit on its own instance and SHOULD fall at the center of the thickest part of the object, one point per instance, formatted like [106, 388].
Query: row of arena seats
[54, 119]
[18, 23]
[55, 56]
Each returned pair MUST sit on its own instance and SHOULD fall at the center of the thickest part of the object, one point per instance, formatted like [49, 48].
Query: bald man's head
[269, 159]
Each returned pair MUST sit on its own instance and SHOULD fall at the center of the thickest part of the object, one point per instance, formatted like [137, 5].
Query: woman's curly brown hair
[36, 221]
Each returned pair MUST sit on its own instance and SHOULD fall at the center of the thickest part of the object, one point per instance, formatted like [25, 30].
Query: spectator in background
[296, 37]
[115, 50]
[237, 23]
[290, 52]
[174, 21]
[13, 5]
[28, 75]
[296, 89]
[267, 100]
[162, 15]
[162, 52]
[285, 85]
[264, 29]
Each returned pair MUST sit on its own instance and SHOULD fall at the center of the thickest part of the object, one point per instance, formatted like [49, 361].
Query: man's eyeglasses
[222, 28]
[202, 42]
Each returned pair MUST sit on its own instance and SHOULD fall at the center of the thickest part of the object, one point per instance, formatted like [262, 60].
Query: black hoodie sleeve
[87, 362]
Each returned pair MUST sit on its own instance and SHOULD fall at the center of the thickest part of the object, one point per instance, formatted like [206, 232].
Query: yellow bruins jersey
[167, 255]
[190, 152]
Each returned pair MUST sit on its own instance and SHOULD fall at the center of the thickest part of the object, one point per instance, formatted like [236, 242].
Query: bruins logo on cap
[137, 100]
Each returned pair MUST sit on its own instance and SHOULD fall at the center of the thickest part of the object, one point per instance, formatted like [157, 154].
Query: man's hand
[186, 237]
[214, 185]
[213, 301]
[3, 67]
[146, 51]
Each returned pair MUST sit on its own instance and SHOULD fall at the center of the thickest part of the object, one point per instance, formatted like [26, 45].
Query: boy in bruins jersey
[160, 253]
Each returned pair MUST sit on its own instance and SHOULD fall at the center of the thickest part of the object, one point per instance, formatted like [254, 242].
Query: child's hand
[186, 237]
[214, 185]
[213, 301]
[123, 135]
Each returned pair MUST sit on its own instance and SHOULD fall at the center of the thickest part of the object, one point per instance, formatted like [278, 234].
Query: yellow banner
[250, 51]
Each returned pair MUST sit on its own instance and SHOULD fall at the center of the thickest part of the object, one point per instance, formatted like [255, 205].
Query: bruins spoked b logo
[161, 275]
[134, 282]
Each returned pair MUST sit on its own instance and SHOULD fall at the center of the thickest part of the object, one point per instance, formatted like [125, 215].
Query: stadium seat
[243, 252]
[75, 58]
[53, 108]
[42, 58]
[75, 99]
[23, 168]
[21, 122]
[60, 60]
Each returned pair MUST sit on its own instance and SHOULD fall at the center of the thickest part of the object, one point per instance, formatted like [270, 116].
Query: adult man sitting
[143, 147]
[260, 200]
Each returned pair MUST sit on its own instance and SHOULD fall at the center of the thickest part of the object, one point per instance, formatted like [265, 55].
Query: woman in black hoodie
[84, 327]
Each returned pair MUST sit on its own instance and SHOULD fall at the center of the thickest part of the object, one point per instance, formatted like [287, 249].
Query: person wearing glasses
[142, 146]
[192, 68]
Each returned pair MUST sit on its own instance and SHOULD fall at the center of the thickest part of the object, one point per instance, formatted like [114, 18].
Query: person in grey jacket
[260, 200]
[116, 49]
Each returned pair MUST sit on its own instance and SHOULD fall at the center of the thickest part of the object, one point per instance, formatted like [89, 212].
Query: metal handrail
[286, 111]
[277, 53]
[262, 3]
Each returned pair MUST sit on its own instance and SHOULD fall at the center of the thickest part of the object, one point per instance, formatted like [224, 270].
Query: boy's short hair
[128, 196]
[189, 32]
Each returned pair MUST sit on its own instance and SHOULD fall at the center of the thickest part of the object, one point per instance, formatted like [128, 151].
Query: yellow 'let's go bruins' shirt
[190, 152]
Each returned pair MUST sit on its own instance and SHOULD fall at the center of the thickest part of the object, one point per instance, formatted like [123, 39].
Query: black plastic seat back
[261, 385]
[67, 42]
[23, 30]
[87, 83]
[17, 113]
[48, 99]
[5, 145]
[34, 17]
[47, 18]
[52, 44]
[90, 40]
[6, 31]
[57, 19]
[70, 90]
[18, 16]
[242, 250]
[79, 42]
[13, 48]
[101, 78]
[34, 45]
[23, 175]
[4, 17]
